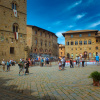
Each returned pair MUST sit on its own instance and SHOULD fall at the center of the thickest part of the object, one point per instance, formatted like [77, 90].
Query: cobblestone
[48, 83]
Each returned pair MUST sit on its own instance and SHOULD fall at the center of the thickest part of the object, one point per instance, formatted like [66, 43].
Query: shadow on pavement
[11, 93]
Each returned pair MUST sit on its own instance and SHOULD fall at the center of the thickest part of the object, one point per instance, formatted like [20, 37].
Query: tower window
[15, 27]
[14, 6]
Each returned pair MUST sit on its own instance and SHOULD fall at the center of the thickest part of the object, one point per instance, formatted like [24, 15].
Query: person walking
[82, 61]
[71, 63]
[21, 66]
[78, 61]
[27, 66]
[60, 64]
[63, 63]
[97, 60]
[3, 65]
[8, 66]
[47, 61]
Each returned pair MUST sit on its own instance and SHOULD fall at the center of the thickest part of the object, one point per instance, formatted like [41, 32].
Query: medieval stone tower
[12, 29]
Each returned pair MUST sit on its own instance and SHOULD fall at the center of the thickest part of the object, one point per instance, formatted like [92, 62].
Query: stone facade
[61, 50]
[12, 21]
[83, 42]
[41, 42]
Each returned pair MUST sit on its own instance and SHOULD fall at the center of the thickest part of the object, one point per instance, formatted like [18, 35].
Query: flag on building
[16, 35]
[15, 12]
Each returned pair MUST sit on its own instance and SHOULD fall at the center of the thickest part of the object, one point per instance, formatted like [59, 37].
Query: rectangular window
[71, 36]
[80, 35]
[35, 32]
[89, 34]
[11, 50]
[40, 33]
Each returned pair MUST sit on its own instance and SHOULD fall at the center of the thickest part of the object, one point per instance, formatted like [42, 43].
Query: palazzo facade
[82, 42]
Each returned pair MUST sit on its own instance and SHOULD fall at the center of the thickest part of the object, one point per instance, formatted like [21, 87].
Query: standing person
[97, 60]
[78, 61]
[3, 65]
[60, 64]
[71, 63]
[27, 66]
[47, 61]
[21, 66]
[82, 61]
[8, 66]
[62, 60]
[42, 62]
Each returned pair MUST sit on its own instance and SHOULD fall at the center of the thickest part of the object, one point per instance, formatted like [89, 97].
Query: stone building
[41, 42]
[61, 50]
[12, 29]
[82, 43]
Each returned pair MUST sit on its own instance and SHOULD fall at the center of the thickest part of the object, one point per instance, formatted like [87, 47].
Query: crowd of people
[78, 61]
[45, 61]
[8, 63]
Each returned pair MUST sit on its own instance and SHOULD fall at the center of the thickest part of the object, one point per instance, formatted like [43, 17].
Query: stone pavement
[48, 83]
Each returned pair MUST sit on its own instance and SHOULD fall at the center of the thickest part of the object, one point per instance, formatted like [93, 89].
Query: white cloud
[75, 4]
[70, 26]
[95, 24]
[59, 34]
[80, 15]
[57, 23]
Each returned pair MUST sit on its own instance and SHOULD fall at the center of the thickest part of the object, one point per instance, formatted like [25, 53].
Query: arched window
[96, 47]
[14, 5]
[36, 41]
[35, 50]
[80, 42]
[89, 41]
[72, 43]
[41, 42]
[76, 42]
[15, 27]
[85, 42]
[67, 43]
[45, 44]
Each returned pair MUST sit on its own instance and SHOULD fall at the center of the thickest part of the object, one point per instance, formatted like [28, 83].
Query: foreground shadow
[11, 93]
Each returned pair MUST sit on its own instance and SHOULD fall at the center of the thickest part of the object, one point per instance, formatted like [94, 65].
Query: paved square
[48, 83]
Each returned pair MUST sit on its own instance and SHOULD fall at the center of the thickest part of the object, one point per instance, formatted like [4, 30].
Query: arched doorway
[68, 56]
[85, 54]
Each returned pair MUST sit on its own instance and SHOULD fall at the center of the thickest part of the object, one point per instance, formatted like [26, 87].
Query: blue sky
[59, 16]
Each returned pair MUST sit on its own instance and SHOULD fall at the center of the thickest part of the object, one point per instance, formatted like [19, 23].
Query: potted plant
[96, 78]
